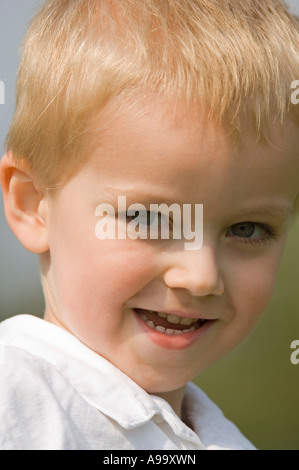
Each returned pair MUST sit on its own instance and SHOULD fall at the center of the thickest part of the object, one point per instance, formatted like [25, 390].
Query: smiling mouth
[169, 324]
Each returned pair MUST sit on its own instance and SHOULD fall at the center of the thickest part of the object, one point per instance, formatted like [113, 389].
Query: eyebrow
[278, 212]
[132, 196]
[275, 211]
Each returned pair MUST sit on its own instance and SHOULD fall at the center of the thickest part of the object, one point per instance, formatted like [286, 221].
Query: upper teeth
[171, 319]
[176, 320]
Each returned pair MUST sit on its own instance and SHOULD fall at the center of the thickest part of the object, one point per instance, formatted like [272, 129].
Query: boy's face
[105, 291]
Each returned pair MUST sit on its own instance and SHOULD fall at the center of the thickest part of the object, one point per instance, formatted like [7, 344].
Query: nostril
[198, 283]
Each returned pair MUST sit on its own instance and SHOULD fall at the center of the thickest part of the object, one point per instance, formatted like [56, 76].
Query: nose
[196, 271]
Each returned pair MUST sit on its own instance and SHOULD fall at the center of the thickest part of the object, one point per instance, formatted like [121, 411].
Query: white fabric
[57, 394]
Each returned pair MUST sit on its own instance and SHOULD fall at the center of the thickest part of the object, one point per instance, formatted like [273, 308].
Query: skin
[92, 286]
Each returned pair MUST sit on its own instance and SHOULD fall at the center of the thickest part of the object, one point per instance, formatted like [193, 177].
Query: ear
[24, 204]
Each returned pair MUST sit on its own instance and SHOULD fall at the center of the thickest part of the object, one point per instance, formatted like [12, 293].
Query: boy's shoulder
[40, 406]
[210, 423]
[34, 400]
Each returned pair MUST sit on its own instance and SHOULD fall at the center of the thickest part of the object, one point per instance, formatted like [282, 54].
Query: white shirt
[57, 394]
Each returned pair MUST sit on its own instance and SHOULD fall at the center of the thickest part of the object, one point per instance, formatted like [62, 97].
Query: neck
[175, 399]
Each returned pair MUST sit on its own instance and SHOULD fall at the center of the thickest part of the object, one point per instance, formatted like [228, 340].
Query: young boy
[126, 106]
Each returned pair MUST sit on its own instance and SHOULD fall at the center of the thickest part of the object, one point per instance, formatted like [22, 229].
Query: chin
[156, 382]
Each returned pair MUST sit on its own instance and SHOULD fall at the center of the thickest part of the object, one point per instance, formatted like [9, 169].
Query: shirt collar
[95, 378]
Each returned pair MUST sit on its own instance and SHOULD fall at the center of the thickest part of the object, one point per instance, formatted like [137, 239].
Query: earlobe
[24, 205]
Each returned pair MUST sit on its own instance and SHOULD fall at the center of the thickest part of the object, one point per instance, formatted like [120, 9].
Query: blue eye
[151, 224]
[146, 217]
[251, 232]
[243, 230]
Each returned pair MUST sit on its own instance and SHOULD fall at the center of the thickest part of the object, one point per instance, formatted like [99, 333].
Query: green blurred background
[256, 385]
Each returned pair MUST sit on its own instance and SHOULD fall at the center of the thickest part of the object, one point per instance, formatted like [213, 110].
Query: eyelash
[271, 234]
[160, 223]
[149, 212]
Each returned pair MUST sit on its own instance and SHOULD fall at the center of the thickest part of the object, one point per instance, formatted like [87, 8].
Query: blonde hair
[235, 59]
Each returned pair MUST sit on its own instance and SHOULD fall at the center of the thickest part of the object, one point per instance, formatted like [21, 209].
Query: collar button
[158, 419]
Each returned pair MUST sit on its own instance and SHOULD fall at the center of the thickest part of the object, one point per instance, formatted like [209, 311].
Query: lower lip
[181, 341]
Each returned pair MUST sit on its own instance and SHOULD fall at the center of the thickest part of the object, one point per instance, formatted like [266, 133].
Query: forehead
[151, 126]
[153, 113]
[149, 141]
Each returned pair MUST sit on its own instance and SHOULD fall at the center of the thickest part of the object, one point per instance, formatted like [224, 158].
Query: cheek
[95, 288]
[102, 274]
[254, 283]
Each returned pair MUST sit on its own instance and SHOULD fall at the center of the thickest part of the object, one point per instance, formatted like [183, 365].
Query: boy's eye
[150, 224]
[245, 229]
[148, 218]
[250, 231]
